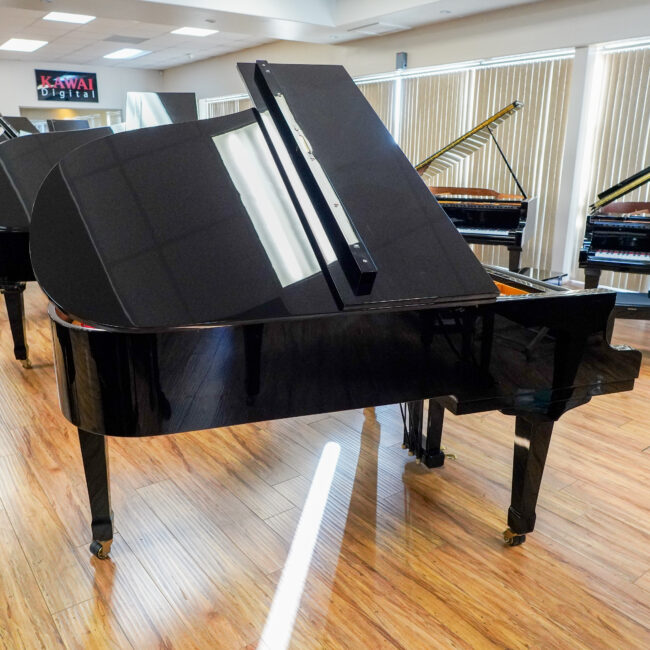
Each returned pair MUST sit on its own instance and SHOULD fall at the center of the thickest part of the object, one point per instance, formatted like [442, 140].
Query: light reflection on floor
[282, 615]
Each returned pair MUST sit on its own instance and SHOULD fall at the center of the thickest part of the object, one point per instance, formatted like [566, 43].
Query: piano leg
[532, 438]
[415, 423]
[434, 455]
[13, 294]
[592, 278]
[95, 459]
[514, 258]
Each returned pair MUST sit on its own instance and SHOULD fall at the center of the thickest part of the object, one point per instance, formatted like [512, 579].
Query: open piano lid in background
[167, 227]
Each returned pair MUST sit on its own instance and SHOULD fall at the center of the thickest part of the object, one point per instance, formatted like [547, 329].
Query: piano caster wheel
[513, 539]
[101, 549]
[27, 364]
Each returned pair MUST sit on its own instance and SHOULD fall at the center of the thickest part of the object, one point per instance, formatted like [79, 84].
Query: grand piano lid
[621, 188]
[24, 164]
[208, 223]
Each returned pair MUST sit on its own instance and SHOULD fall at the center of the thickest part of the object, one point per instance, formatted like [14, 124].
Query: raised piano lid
[192, 224]
[24, 164]
[621, 188]
[468, 143]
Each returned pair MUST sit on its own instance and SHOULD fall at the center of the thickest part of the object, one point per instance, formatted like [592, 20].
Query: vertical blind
[220, 107]
[621, 144]
[436, 109]
[381, 96]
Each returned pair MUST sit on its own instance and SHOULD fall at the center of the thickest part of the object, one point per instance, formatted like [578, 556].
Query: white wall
[18, 85]
[542, 26]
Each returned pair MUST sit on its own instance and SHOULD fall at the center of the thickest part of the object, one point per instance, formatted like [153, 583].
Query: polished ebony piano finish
[67, 125]
[24, 163]
[482, 215]
[228, 287]
[17, 126]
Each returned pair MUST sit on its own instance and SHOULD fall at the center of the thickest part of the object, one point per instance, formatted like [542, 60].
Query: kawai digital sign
[58, 86]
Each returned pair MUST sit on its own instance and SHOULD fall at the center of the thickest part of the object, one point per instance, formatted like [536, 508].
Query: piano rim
[540, 290]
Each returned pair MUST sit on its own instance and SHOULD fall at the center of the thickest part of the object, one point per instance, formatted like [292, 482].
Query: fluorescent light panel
[127, 53]
[194, 31]
[62, 17]
[22, 45]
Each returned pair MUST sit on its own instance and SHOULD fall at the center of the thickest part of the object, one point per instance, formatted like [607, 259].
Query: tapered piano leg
[592, 278]
[532, 438]
[13, 294]
[434, 455]
[95, 459]
[514, 258]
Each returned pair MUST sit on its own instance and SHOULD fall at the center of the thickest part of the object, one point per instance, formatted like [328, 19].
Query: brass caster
[411, 453]
[27, 364]
[101, 549]
[451, 456]
[403, 446]
[513, 539]
[418, 460]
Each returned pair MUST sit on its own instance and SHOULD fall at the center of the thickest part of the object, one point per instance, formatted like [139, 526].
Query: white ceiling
[241, 24]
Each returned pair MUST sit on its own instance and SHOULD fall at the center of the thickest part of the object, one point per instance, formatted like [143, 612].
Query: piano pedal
[101, 549]
[513, 539]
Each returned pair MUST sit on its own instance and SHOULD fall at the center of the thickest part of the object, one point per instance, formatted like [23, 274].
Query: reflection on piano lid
[291, 249]
[144, 109]
[617, 233]
[478, 212]
[253, 266]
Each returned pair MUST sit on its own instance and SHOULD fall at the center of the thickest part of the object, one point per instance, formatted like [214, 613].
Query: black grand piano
[617, 238]
[24, 163]
[482, 215]
[252, 267]
[617, 233]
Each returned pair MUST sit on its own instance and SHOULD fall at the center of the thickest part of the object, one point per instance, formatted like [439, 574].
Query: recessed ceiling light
[126, 53]
[22, 45]
[194, 31]
[62, 17]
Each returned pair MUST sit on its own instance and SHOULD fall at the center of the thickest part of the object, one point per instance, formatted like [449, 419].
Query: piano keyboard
[627, 256]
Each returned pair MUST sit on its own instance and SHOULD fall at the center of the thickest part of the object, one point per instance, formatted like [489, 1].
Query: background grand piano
[24, 163]
[483, 216]
[267, 273]
[617, 238]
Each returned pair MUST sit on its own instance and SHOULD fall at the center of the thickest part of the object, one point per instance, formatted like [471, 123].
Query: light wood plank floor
[215, 550]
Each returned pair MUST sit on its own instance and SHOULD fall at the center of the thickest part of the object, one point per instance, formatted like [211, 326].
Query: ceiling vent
[374, 29]
[133, 40]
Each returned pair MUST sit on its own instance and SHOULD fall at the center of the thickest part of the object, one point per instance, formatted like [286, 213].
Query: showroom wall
[18, 86]
[541, 26]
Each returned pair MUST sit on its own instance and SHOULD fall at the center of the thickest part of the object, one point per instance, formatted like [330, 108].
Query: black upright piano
[24, 163]
[252, 267]
[482, 215]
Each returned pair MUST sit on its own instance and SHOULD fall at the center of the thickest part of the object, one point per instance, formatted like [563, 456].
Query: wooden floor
[214, 549]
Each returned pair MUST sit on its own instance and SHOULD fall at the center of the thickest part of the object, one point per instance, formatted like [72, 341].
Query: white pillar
[567, 234]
